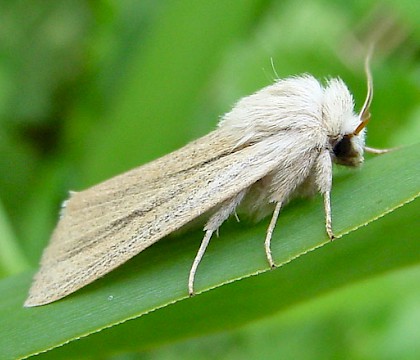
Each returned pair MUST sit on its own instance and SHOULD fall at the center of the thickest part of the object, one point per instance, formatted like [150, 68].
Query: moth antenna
[365, 111]
[274, 68]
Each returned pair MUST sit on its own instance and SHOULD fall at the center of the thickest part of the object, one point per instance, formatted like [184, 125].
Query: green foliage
[88, 90]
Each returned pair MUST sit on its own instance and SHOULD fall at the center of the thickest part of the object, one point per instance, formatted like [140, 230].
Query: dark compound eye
[343, 148]
[346, 153]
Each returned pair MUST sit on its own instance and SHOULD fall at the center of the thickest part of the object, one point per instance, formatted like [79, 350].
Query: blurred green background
[92, 88]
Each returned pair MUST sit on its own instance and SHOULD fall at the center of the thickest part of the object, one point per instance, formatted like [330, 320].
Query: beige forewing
[106, 225]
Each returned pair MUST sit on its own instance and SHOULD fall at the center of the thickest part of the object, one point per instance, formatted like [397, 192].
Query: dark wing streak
[150, 175]
[103, 203]
[70, 239]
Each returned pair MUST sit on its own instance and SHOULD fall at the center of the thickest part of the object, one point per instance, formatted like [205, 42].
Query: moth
[275, 144]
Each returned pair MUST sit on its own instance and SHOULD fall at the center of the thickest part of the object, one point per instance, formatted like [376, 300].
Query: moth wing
[106, 225]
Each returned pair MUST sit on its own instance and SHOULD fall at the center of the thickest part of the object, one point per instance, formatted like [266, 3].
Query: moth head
[348, 148]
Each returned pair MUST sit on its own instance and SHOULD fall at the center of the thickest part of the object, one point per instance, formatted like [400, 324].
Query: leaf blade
[158, 276]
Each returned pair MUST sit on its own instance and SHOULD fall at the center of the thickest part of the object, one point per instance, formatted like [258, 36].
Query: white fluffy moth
[273, 145]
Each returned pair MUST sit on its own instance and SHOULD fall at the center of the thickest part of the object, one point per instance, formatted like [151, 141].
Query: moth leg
[197, 260]
[212, 225]
[323, 179]
[378, 151]
[236, 216]
[270, 230]
[327, 209]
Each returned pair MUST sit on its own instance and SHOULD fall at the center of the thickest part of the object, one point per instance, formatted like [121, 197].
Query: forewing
[104, 226]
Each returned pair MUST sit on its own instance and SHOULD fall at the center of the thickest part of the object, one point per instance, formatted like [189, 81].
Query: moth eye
[343, 148]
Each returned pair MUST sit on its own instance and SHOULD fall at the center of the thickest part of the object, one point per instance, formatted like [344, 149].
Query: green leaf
[154, 283]
[12, 260]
